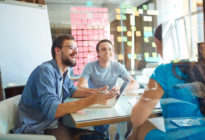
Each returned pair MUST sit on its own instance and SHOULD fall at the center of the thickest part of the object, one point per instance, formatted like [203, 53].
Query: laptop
[111, 102]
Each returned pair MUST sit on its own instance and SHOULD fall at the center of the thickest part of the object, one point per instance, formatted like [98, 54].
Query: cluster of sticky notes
[132, 56]
[88, 26]
[120, 39]
[121, 28]
[148, 32]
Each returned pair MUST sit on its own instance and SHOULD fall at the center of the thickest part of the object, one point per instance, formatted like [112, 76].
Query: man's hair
[158, 33]
[58, 42]
[102, 41]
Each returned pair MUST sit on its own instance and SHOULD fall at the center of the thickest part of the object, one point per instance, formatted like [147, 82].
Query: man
[41, 103]
[104, 73]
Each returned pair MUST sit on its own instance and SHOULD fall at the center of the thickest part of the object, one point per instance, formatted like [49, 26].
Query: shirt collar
[53, 61]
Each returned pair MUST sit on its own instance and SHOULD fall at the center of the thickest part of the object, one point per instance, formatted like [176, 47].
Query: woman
[178, 87]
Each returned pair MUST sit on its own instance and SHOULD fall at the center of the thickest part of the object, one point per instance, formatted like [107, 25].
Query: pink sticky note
[85, 32]
[85, 27]
[79, 32]
[75, 72]
[80, 112]
[79, 37]
[80, 60]
[90, 32]
[90, 37]
[95, 37]
[99, 9]
[73, 27]
[105, 10]
[85, 37]
[73, 32]
[80, 49]
[79, 43]
[85, 49]
[95, 32]
[80, 55]
[85, 43]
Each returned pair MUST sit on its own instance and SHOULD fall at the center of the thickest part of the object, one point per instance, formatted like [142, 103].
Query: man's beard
[66, 61]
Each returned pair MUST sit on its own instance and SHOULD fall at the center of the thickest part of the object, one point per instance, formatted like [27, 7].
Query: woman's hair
[192, 72]
[158, 33]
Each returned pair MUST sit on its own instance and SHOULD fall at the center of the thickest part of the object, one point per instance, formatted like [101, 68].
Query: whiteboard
[25, 40]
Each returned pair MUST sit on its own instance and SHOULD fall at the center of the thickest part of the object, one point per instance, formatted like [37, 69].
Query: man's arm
[71, 107]
[82, 82]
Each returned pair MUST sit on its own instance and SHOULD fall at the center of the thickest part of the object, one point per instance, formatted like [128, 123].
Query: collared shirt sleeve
[46, 92]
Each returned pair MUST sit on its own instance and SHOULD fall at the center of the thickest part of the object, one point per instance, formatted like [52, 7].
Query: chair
[8, 115]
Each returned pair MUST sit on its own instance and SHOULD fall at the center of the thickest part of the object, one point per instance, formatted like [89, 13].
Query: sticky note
[119, 39]
[147, 18]
[124, 38]
[135, 56]
[124, 28]
[79, 37]
[118, 17]
[153, 45]
[124, 17]
[146, 40]
[140, 11]
[154, 54]
[129, 33]
[119, 28]
[138, 33]
[129, 56]
[129, 43]
[117, 10]
[144, 7]
[120, 57]
[73, 32]
[79, 32]
[136, 13]
[133, 28]
[146, 54]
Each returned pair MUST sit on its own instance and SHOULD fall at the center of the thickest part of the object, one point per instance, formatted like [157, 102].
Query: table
[100, 116]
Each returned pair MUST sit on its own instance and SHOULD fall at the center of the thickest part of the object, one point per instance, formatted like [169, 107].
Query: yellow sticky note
[119, 28]
[136, 13]
[146, 40]
[153, 45]
[138, 33]
[129, 33]
[154, 54]
[117, 10]
[120, 57]
[146, 54]
[118, 17]
[119, 39]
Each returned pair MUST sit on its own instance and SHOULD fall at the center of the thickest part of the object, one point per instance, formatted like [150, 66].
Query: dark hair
[102, 41]
[58, 42]
[158, 32]
[194, 72]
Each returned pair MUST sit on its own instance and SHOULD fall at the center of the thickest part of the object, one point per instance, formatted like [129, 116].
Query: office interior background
[130, 25]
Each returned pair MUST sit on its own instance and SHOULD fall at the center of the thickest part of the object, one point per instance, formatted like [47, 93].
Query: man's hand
[103, 98]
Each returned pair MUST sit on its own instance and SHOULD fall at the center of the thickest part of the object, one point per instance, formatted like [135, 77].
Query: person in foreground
[41, 105]
[180, 89]
[104, 73]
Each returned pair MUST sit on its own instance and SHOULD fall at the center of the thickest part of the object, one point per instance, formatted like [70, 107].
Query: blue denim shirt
[46, 88]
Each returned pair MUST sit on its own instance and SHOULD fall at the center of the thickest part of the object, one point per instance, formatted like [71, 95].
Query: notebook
[111, 102]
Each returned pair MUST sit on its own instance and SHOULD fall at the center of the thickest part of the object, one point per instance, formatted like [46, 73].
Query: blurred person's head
[158, 40]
